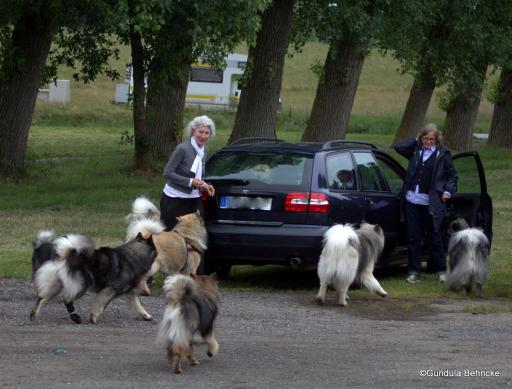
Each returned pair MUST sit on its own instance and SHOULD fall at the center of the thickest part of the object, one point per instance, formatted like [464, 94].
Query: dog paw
[382, 294]
[210, 354]
[93, 319]
[147, 317]
[76, 318]
[319, 301]
[32, 316]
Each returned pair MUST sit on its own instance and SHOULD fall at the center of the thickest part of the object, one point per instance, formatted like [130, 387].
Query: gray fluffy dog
[468, 250]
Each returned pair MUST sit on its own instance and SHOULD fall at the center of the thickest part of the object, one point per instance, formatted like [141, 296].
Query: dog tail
[142, 208]
[43, 236]
[67, 244]
[146, 227]
[46, 279]
[179, 287]
[468, 251]
[340, 254]
[174, 328]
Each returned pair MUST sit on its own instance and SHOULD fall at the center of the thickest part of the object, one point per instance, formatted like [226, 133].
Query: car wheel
[207, 266]
[222, 269]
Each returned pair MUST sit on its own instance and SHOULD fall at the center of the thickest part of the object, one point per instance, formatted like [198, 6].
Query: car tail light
[204, 198]
[296, 202]
[306, 202]
[319, 203]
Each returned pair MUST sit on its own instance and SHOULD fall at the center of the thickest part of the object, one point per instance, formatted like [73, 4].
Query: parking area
[266, 340]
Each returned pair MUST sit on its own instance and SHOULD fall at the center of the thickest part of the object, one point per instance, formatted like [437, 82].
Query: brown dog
[192, 304]
[179, 250]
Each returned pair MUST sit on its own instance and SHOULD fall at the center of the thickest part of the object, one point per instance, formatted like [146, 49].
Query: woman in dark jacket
[184, 171]
[430, 180]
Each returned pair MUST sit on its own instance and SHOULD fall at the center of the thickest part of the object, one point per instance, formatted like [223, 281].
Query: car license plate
[245, 202]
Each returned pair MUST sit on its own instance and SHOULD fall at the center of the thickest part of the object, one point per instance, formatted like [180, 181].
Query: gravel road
[267, 340]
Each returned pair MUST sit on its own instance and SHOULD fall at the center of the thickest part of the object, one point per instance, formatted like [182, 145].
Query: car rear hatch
[259, 186]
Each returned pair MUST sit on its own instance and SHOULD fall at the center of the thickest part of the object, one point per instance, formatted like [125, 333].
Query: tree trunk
[259, 101]
[461, 114]
[167, 89]
[142, 151]
[417, 106]
[501, 125]
[335, 92]
[165, 106]
[30, 43]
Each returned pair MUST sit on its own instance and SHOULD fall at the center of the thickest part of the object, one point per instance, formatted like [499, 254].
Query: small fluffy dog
[349, 255]
[468, 249]
[109, 272]
[192, 304]
[46, 249]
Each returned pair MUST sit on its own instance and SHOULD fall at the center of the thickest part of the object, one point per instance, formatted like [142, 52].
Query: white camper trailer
[213, 86]
[208, 85]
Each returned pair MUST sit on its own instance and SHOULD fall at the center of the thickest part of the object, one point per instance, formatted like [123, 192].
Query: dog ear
[214, 276]
[139, 236]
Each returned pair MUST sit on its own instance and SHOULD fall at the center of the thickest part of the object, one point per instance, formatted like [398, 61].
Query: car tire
[207, 266]
[223, 269]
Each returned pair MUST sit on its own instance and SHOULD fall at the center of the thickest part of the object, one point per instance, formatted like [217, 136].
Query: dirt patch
[391, 309]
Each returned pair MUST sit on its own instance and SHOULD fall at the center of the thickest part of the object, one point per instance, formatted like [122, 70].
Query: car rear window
[264, 168]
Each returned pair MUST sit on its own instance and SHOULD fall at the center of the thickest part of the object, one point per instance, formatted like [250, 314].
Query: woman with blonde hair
[430, 180]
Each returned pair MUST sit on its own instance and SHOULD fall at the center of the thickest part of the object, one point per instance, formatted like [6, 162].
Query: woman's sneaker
[413, 278]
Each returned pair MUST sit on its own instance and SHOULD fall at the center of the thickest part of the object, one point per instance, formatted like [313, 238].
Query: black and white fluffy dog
[349, 255]
[107, 271]
[47, 250]
[468, 249]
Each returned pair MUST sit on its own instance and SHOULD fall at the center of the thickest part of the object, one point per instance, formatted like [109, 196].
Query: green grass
[488, 308]
[80, 176]
[80, 181]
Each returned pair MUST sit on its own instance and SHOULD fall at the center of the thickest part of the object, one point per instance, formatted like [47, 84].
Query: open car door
[471, 202]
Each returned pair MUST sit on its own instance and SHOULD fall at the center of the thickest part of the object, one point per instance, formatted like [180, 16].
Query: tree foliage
[27, 30]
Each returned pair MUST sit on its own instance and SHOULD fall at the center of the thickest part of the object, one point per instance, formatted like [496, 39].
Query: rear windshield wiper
[227, 181]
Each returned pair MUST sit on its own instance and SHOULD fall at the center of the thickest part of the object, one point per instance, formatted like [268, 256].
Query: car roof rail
[255, 139]
[346, 143]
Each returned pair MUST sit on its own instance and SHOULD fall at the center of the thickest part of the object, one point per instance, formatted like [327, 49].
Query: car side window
[369, 172]
[395, 181]
[340, 171]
